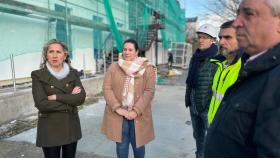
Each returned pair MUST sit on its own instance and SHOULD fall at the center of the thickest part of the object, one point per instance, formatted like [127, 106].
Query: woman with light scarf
[129, 87]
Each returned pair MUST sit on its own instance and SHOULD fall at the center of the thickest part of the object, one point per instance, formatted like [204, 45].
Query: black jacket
[170, 58]
[200, 79]
[247, 123]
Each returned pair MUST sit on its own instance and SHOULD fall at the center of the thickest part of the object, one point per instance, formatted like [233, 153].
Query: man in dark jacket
[247, 124]
[199, 81]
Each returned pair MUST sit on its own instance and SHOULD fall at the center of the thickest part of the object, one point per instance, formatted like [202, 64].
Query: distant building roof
[192, 19]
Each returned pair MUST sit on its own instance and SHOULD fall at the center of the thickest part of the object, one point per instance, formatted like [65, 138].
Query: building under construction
[93, 30]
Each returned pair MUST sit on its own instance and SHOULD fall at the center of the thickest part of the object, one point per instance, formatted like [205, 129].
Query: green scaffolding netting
[124, 18]
[113, 24]
[141, 19]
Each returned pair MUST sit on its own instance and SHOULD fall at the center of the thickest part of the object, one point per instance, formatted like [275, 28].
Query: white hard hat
[169, 49]
[208, 29]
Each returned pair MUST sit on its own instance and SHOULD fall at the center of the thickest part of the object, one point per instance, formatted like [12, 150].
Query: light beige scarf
[133, 69]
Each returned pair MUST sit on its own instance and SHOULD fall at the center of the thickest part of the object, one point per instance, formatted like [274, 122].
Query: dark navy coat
[247, 124]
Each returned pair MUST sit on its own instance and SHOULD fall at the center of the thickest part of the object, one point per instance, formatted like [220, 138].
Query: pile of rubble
[17, 126]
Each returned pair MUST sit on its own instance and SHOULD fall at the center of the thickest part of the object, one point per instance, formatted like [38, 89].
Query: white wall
[150, 54]
[82, 42]
[24, 37]
[21, 35]
[162, 57]
[83, 58]
[24, 64]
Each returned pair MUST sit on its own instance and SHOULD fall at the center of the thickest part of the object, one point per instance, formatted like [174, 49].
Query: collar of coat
[265, 62]
[45, 76]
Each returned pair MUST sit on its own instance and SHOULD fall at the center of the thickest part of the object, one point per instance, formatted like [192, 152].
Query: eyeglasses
[203, 37]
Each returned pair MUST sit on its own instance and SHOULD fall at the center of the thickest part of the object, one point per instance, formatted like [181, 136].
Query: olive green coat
[144, 88]
[58, 121]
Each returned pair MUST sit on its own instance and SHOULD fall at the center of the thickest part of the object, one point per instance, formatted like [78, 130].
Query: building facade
[93, 30]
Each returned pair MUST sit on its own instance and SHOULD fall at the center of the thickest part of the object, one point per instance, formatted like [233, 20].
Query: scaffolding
[138, 19]
[182, 53]
[94, 30]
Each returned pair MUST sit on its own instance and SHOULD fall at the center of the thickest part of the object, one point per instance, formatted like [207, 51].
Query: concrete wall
[20, 104]
[93, 86]
[162, 54]
[16, 105]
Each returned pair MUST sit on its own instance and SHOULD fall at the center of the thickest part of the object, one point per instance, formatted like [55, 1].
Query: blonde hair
[46, 48]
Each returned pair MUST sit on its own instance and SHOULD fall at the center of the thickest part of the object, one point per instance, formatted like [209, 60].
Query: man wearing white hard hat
[198, 84]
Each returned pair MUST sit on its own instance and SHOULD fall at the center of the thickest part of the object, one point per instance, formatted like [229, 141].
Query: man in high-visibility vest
[229, 64]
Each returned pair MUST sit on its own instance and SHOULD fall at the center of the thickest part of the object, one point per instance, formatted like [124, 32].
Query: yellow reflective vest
[225, 77]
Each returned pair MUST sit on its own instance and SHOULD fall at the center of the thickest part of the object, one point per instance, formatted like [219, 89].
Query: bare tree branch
[225, 9]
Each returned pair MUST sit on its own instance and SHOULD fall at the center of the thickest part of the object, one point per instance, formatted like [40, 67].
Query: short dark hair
[134, 42]
[227, 24]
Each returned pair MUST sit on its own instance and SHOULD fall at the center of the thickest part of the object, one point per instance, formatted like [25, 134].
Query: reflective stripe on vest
[218, 96]
[223, 79]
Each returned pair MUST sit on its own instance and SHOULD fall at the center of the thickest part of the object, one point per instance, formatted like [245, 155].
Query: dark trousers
[200, 125]
[128, 136]
[68, 151]
[169, 65]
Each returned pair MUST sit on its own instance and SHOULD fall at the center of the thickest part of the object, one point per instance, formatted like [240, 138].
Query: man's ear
[278, 24]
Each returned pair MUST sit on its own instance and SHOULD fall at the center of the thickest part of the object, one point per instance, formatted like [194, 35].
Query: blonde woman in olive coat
[57, 91]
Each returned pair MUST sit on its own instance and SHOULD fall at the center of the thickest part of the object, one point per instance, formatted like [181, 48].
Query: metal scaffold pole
[13, 71]
[67, 23]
